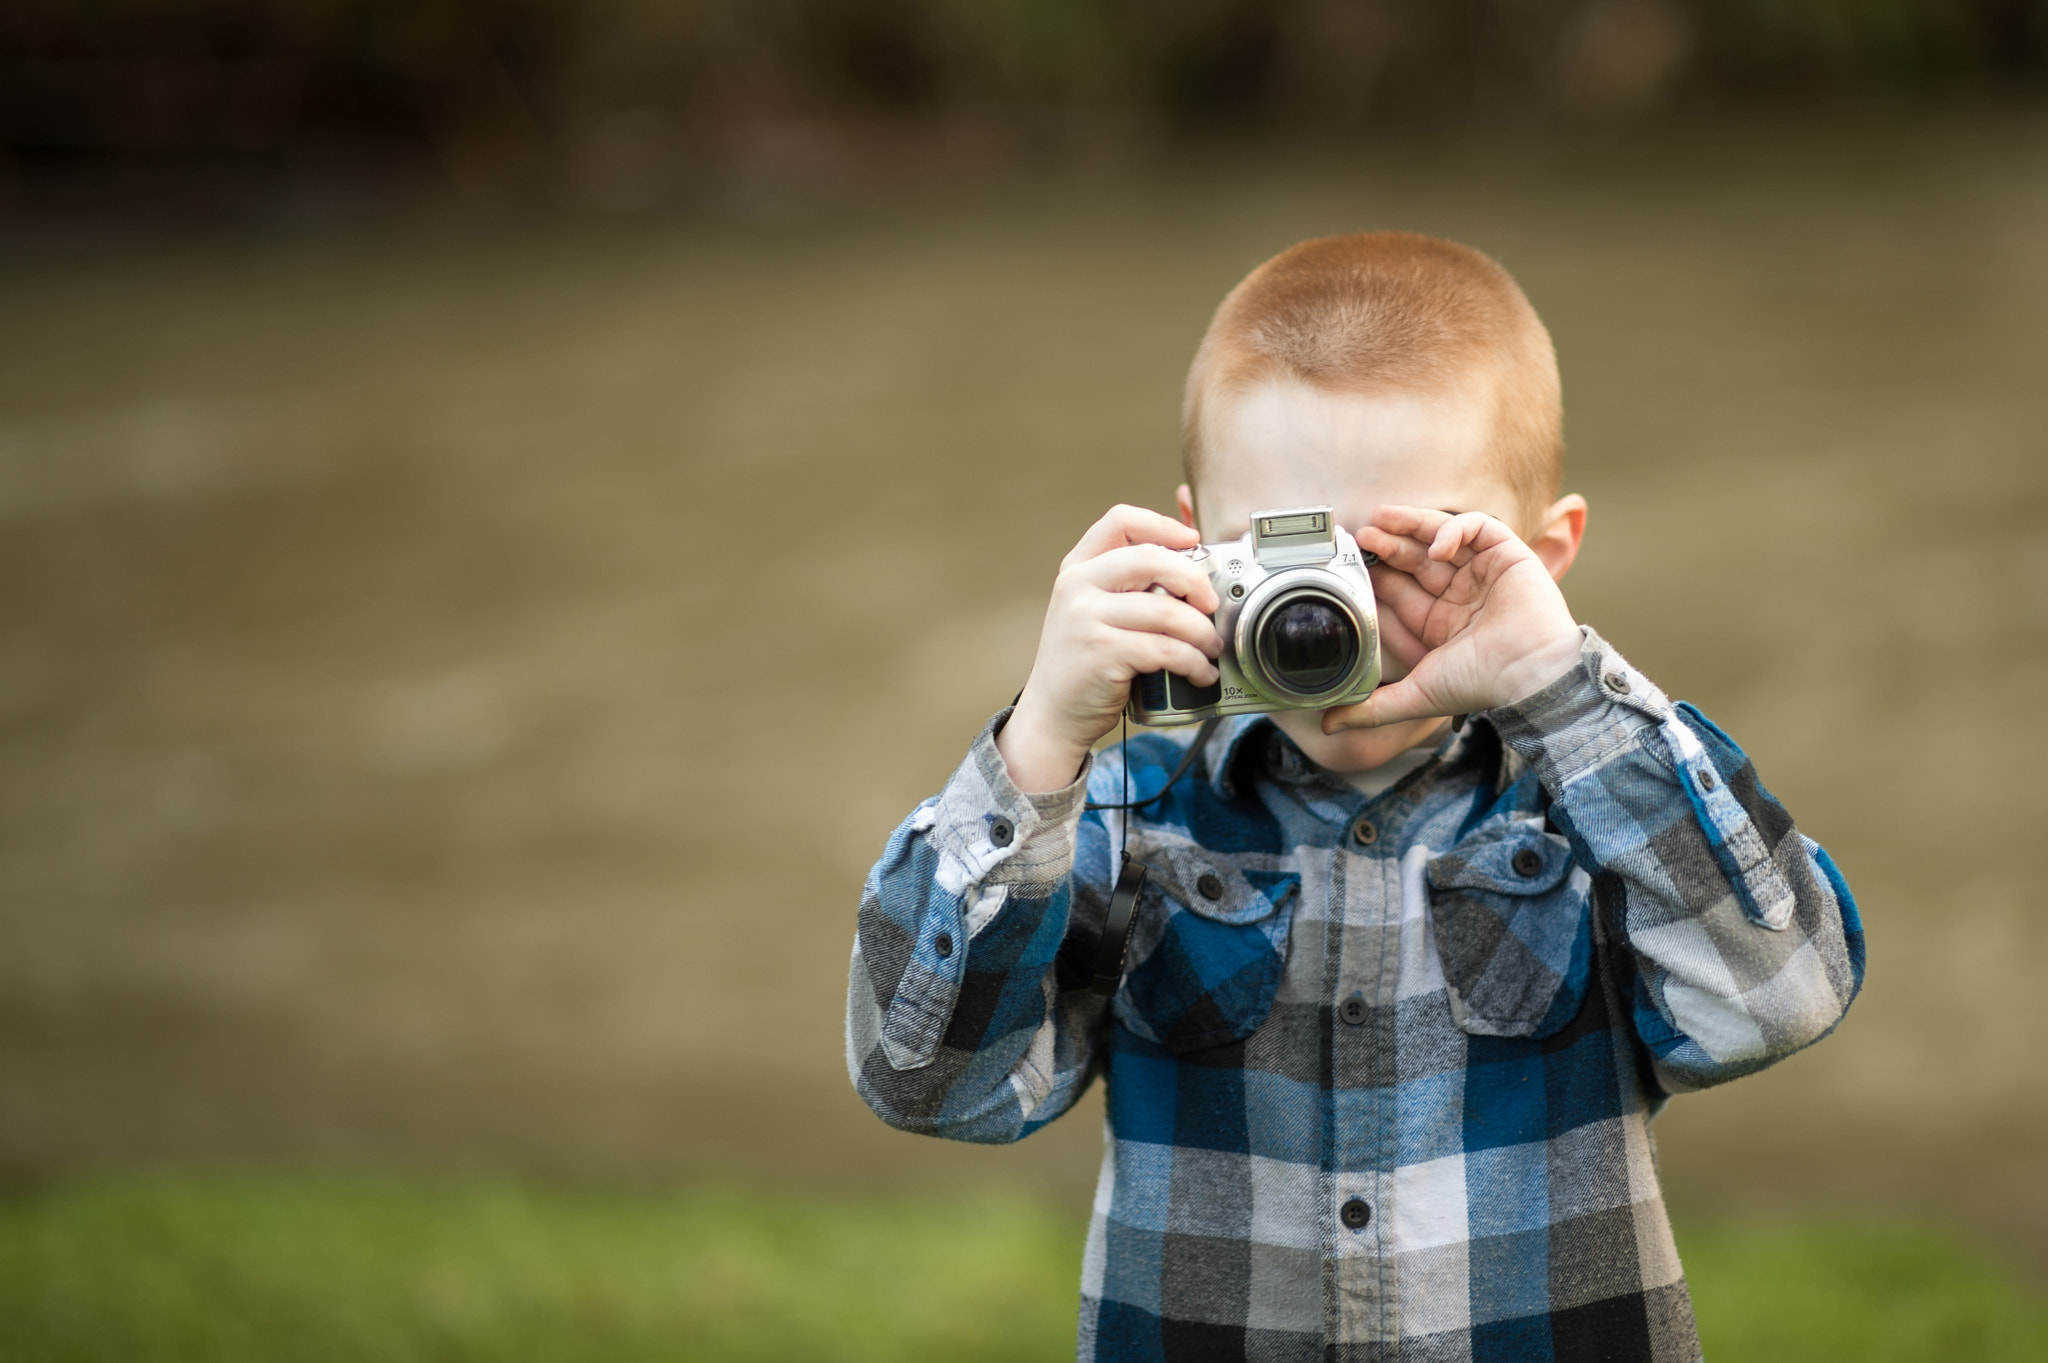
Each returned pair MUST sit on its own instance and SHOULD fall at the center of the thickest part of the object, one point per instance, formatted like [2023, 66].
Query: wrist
[1540, 667]
[1039, 758]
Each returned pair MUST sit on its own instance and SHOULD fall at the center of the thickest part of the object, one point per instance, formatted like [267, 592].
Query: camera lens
[1307, 645]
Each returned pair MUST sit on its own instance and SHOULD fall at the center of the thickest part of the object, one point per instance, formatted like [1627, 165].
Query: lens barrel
[1305, 643]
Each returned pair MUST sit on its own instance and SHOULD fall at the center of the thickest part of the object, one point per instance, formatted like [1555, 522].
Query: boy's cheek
[1305, 727]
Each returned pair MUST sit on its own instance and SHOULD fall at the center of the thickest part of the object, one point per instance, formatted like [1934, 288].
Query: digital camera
[1296, 616]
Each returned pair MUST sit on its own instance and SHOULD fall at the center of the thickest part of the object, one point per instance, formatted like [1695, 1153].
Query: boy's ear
[1185, 500]
[1564, 527]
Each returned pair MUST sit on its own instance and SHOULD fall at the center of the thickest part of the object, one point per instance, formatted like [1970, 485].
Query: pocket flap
[1517, 858]
[1223, 889]
[1513, 929]
[1208, 947]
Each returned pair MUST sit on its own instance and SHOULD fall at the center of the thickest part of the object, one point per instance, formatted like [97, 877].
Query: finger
[1403, 604]
[1409, 556]
[1137, 567]
[1140, 653]
[1400, 654]
[1122, 525]
[1411, 522]
[1399, 551]
[1401, 640]
[1155, 613]
[1465, 536]
[1392, 586]
[1390, 704]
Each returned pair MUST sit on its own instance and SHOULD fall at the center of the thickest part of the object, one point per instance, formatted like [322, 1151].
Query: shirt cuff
[989, 833]
[1599, 710]
[1596, 710]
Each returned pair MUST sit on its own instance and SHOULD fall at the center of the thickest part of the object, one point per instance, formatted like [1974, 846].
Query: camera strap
[1122, 916]
[1187, 760]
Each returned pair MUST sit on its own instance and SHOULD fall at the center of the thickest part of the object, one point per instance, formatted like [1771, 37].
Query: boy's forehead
[1285, 443]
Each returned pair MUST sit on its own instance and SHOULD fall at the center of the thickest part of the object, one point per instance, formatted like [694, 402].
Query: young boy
[1409, 977]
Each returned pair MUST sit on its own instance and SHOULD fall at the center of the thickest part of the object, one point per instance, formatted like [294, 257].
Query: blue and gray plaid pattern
[1451, 1009]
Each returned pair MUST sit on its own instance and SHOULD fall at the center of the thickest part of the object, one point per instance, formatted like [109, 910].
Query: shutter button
[1000, 831]
[1528, 862]
[1210, 886]
[1364, 833]
[1356, 1213]
[1352, 1010]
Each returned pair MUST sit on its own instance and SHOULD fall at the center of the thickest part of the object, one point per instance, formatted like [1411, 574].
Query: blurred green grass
[320, 1267]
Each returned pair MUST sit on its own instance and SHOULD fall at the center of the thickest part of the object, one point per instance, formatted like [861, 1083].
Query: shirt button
[1365, 833]
[1000, 831]
[1617, 683]
[1356, 1213]
[1706, 780]
[1352, 1010]
[1210, 886]
[943, 944]
[1528, 862]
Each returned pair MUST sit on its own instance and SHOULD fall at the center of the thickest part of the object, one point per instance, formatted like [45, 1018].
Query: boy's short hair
[1381, 312]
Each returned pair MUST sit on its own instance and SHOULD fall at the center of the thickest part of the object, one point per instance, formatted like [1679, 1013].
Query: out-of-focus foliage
[627, 98]
[333, 1270]
[1810, 1292]
[264, 1268]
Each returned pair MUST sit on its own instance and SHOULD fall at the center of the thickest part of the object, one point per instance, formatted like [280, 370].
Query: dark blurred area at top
[116, 104]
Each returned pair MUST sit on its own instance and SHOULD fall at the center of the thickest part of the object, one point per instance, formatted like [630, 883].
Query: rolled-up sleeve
[957, 1023]
[1744, 939]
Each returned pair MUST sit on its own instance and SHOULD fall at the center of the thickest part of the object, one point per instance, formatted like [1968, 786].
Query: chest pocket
[1207, 947]
[1513, 922]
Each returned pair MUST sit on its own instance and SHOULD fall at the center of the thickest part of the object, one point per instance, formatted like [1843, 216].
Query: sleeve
[1745, 942]
[968, 1011]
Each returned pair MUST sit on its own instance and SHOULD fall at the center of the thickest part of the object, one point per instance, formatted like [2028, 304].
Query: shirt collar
[1226, 747]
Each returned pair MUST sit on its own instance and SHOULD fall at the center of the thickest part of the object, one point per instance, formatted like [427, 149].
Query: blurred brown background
[504, 505]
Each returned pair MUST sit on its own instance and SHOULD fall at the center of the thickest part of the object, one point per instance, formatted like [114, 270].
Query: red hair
[1386, 312]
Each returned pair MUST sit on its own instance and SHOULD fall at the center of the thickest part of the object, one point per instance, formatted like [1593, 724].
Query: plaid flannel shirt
[1380, 1071]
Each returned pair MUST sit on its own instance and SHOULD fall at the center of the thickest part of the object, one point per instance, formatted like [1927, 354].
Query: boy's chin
[1354, 749]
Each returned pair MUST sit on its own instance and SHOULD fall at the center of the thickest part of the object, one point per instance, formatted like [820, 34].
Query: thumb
[1390, 704]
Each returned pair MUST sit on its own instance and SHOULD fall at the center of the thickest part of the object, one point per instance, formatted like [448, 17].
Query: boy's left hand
[1472, 604]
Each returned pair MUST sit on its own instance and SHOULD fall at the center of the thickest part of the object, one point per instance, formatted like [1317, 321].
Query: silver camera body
[1297, 619]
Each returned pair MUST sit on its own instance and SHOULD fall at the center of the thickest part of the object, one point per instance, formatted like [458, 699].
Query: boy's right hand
[1103, 627]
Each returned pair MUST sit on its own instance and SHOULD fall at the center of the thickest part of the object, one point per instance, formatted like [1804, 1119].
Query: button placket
[1363, 975]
